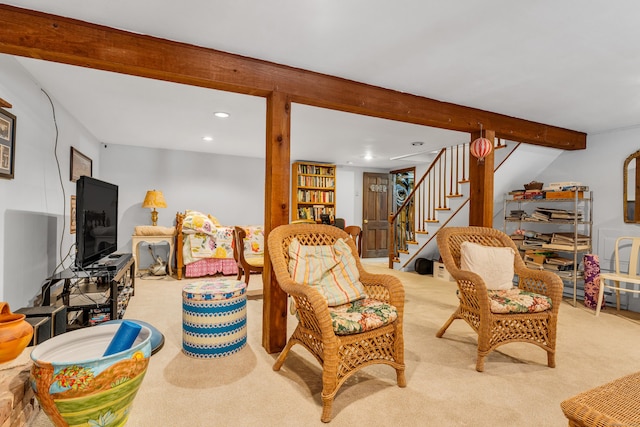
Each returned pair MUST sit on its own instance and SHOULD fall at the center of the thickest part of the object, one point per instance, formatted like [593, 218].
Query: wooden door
[375, 215]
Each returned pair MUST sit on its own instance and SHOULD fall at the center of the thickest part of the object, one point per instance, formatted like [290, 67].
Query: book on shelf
[533, 242]
[517, 214]
[530, 243]
[534, 265]
[567, 215]
[570, 238]
[558, 260]
[566, 186]
[556, 267]
[533, 194]
[561, 184]
[539, 216]
[552, 213]
[565, 247]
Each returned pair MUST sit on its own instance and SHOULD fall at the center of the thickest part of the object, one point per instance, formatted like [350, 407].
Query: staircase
[439, 198]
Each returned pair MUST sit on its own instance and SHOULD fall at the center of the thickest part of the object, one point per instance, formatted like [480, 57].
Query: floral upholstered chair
[484, 262]
[348, 318]
[248, 250]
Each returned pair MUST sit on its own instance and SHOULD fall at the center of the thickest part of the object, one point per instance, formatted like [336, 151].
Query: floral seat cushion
[361, 316]
[515, 300]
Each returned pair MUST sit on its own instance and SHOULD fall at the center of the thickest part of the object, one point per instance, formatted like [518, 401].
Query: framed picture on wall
[7, 144]
[81, 165]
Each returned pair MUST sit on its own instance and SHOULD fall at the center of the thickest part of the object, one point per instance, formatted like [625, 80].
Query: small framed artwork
[72, 216]
[7, 144]
[81, 165]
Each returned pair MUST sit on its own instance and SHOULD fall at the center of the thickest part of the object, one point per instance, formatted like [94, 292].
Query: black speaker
[58, 317]
[41, 329]
[424, 266]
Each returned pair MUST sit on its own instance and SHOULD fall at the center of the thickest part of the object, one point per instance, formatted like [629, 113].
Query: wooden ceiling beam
[43, 36]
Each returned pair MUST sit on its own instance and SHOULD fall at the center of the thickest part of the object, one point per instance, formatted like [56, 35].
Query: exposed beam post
[481, 185]
[277, 178]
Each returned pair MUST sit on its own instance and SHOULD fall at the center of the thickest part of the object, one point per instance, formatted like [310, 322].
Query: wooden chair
[246, 265]
[613, 280]
[339, 355]
[356, 234]
[475, 307]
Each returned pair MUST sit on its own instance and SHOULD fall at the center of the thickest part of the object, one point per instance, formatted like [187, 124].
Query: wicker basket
[533, 185]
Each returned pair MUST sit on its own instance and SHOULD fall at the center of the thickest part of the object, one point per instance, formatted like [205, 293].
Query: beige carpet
[516, 389]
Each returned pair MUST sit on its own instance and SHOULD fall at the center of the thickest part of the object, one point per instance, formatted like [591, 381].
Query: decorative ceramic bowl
[76, 385]
[15, 333]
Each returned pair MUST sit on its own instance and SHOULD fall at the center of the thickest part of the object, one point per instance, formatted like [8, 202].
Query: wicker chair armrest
[383, 287]
[541, 282]
[471, 277]
[319, 312]
[473, 289]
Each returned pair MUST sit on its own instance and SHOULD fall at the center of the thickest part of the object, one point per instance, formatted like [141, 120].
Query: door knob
[366, 221]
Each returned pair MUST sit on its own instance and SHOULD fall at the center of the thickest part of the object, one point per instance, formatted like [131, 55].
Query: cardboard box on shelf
[441, 273]
[563, 194]
[535, 256]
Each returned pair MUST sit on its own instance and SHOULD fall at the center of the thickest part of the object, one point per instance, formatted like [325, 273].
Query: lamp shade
[480, 148]
[154, 199]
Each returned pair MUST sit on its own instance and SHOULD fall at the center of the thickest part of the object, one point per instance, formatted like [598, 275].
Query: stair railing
[430, 194]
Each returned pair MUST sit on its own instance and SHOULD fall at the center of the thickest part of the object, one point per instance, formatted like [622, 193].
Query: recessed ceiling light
[417, 143]
[207, 138]
[368, 157]
[221, 114]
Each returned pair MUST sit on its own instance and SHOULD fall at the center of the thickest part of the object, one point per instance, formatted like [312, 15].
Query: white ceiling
[568, 63]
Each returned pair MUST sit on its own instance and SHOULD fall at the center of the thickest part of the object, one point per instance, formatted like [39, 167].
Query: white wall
[349, 182]
[34, 205]
[228, 187]
[600, 167]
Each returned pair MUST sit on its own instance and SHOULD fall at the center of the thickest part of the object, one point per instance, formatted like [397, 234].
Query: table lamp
[154, 199]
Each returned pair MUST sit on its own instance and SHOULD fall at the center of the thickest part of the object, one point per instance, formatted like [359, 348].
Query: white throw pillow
[493, 264]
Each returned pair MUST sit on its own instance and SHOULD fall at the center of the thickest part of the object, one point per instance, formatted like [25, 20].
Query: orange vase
[15, 333]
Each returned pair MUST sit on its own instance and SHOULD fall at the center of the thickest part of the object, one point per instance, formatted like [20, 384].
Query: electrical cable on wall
[64, 195]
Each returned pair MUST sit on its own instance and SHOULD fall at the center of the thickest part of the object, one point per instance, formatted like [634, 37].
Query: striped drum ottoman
[214, 318]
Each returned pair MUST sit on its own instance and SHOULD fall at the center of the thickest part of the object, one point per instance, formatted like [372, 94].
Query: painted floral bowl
[76, 385]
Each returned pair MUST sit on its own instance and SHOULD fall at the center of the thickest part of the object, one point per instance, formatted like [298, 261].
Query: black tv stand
[108, 262]
[113, 285]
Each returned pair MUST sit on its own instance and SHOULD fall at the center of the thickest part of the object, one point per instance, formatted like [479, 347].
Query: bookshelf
[313, 190]
[553, 233]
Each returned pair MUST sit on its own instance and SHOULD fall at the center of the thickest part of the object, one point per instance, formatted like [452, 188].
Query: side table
[612, 404]
[156, 235]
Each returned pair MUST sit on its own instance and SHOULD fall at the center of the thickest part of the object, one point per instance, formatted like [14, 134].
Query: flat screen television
[96, 220]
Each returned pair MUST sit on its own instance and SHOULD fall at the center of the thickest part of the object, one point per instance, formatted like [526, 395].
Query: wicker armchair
[339, 355]
[474, 307]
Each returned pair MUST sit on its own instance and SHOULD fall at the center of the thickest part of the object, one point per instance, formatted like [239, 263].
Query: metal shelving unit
[582, 201]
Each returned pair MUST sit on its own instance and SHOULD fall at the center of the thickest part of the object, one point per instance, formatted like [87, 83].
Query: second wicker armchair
[528, 313]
